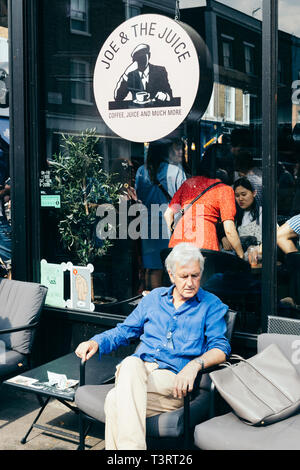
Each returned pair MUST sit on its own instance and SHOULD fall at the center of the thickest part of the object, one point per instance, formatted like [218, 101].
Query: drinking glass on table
[253, 255]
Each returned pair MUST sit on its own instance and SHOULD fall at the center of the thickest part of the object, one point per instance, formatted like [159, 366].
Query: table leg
[23, 441]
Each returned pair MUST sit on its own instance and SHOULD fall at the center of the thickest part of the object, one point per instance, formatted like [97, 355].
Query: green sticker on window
[50, 200]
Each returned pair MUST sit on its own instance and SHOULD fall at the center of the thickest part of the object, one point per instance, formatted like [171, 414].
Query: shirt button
[175, 318]
[165, 345]
[157, 349]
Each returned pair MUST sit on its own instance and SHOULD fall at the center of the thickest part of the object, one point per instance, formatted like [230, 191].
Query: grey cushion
[288, 344]
[21, 304]
[90, 399]
[14, 363]
[228, 432]
[171, 424]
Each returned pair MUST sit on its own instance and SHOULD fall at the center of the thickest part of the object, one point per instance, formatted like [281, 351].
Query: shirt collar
[169, 292]
[146, 72]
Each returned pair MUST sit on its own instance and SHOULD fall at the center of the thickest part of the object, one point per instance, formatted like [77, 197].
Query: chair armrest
[82, 373]
[207, 370]
[190, 395]
[19, 328]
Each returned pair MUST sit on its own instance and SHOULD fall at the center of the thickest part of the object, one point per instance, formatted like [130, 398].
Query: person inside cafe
[181, 330]
[288, 234]
[156, 182]
[248, 216]
[245, 167]
[198, 223]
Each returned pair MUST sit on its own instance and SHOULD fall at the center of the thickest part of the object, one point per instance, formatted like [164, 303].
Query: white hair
[182, 254]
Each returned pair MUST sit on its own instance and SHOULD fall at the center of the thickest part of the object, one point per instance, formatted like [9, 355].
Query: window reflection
[228, 136]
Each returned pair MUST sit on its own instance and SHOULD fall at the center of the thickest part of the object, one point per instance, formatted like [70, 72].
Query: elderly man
[181, 329]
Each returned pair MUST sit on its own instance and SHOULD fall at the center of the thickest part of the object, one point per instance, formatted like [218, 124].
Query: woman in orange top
[198, 224]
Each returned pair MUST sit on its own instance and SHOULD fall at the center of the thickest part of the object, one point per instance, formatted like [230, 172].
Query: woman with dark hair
[198, 223]
[249, 212]
[156, 182]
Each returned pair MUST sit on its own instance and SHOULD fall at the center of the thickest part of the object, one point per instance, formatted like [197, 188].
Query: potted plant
[79, 178]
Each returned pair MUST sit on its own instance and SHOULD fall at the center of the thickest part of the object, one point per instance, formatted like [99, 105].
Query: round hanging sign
[152, 72]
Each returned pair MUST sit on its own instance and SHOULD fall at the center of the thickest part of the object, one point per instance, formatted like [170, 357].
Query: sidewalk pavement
[17, 411]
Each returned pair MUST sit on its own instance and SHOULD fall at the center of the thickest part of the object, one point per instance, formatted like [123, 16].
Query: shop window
[249, 58]
[80, 83]
[210, 112]
[121, 272]
[227, 53]
[79, 16]
[229, 103]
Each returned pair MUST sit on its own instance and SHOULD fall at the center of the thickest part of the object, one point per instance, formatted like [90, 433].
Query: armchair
[21, 306]
[165, 426]
[228, 432]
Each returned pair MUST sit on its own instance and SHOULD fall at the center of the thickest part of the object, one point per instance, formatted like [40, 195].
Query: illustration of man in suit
[141, 76]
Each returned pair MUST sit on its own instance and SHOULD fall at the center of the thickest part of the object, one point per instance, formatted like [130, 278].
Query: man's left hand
[185, 379]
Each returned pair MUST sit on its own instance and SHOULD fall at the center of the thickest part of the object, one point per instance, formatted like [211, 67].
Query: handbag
[182, 211]
[261, 390]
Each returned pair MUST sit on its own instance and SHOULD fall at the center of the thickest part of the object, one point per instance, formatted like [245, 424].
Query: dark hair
[254, 208]
[209, 163]
[157, 152]
[243, 161]
[217, 163]
[240, 137]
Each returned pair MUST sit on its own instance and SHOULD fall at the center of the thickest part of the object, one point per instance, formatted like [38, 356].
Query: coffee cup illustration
[142, 96]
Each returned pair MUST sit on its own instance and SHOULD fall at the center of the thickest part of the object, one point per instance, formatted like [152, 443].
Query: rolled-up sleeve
[131, 328]
[215, 328]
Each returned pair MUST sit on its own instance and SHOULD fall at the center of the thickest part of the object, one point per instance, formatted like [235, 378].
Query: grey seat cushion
[14, 363]
[171, 424]
[90, 399]
[228, 432]
[21, 304]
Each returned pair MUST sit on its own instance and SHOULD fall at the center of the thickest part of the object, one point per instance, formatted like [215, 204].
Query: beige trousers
[141, 390]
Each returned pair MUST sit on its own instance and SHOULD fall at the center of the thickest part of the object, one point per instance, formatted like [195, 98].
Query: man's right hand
[86, 349]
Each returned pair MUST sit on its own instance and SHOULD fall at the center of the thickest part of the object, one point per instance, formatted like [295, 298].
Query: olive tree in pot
[79, 178]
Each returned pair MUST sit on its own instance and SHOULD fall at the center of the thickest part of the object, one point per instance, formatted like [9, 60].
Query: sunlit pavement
[18, 409]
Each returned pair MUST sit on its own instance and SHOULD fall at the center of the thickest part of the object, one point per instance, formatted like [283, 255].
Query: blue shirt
[171, 337]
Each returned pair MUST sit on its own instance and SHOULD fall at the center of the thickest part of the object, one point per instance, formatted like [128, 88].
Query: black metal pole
[18, 139]
[269, 158]
[24, 132]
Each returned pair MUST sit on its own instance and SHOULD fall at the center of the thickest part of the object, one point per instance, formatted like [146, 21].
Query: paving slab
[17, 411]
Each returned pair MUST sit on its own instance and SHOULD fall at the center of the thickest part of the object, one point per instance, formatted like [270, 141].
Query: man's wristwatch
[200, 361]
